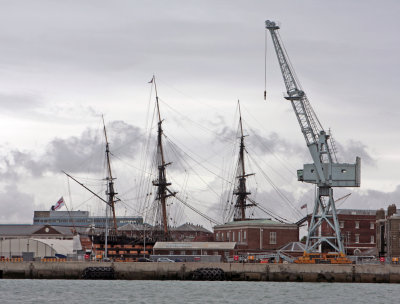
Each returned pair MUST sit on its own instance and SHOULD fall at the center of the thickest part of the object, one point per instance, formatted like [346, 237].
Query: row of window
[357, 239]
[357, 225]
[221, 236]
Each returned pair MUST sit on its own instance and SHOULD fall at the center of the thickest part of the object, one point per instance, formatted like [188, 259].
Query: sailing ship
[114, 243]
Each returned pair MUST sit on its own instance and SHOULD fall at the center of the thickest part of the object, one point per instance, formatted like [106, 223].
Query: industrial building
[80, 219]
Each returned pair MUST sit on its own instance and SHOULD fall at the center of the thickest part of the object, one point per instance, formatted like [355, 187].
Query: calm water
[176, 292]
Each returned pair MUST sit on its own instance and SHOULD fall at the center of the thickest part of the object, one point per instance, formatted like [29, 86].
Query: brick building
[257, 235]
[358, 230]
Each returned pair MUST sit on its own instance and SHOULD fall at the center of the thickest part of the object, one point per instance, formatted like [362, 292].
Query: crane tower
[326, 173]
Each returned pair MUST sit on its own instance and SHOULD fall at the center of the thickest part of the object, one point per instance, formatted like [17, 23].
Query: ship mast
[161, 183]
[241, 192]
[110, 185]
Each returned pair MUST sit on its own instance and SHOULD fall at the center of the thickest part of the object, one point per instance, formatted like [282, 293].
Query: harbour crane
[326, 173]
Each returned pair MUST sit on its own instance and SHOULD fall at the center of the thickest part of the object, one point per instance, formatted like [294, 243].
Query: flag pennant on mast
[58, 205]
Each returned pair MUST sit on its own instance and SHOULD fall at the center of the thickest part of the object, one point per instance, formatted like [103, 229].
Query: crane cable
[265, 65]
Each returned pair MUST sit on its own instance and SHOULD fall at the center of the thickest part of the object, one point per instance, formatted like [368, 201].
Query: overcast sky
[63, 63]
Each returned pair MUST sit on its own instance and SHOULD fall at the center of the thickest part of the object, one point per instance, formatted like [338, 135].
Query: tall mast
[110, 185]
[241, 191]
[161, 183]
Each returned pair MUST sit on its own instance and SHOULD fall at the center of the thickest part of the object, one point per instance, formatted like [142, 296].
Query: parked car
[165, 260]
[179, 260]
[144, 260]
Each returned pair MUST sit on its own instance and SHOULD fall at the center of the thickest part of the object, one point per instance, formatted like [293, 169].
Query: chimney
[380, 214]
[391, 210]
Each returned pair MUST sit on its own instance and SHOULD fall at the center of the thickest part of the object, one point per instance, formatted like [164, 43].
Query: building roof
[190, 227]
[356, 212]
[255, 222]
[132, 227]
[27, 230]
[196, 245]
[21, 229]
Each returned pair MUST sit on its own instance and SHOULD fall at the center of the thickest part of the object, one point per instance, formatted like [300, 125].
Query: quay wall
[184, 271]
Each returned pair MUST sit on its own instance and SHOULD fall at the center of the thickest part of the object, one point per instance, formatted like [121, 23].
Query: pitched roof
[130, 227]
[27, 229]
[190, 227]
[18, 229]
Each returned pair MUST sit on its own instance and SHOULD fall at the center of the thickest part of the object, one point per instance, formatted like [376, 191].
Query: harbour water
[179, 292]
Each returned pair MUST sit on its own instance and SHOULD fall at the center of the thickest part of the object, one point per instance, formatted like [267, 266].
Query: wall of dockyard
[184, 271]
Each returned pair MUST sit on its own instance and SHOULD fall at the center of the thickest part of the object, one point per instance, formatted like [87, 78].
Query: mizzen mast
[110, 181]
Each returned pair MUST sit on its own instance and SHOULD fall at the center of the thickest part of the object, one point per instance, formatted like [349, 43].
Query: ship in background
[135, 239]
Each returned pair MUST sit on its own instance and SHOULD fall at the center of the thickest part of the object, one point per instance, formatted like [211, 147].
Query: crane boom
[324, 172]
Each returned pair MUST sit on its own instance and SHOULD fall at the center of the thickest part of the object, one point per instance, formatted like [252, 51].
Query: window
[194, 252]
[244, 235]
[222, 236]
[205, 252]
[357, 238]
[272, 237]
[217, 236]
[239, 236]
[215, 252]
[341, 224]
[228, 236]
[171, 252]
[233, 236]
[371, 225]
[183, 252]
[372, 239]
[357, 225]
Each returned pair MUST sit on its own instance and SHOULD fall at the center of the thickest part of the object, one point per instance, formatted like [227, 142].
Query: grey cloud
[273, 143]
[370, 199]
[261, 144]
[76, 154]
[352, 149]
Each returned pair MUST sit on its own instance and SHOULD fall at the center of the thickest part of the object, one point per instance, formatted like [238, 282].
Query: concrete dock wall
[184, 271]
